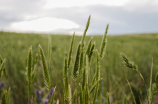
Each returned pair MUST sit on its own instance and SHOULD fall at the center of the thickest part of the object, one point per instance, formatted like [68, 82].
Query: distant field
[141, 48]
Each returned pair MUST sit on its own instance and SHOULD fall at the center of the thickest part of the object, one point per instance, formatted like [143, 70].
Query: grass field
[141, 48]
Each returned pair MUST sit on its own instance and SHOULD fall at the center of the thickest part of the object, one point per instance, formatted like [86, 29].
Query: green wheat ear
[29, 64]
[29, 72]
[89, 46]
[85, 31]
[85, 72]
[104, 41]
[98, 66]
[81, 61]
[45, 69]
[128, 63]
[66, 84]
[70, 50]
[76, 66]
[91, 52]
[5, 98]
[2, 69]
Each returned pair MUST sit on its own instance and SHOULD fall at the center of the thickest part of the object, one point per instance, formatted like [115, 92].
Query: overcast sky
[67, 16]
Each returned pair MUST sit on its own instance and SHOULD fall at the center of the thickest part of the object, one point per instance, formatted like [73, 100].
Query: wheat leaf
[94, 85]
[131, 91]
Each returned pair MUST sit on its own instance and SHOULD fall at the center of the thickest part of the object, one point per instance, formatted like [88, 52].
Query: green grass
[140, 48]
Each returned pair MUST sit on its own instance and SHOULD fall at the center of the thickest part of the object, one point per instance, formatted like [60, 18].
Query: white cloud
[30, 17]
[124, 16]
[80, 3]
[140, 5]
[45, 24]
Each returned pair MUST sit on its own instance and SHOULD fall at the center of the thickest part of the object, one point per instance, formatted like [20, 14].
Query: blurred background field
[140, 48]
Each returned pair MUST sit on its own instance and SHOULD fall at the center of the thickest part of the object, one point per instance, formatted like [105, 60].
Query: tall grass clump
[151, 91]
[82, 90]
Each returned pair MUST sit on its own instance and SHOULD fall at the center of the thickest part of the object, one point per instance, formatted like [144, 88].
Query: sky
[68, 16]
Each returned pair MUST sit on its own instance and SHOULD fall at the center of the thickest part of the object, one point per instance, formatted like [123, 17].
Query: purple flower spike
[31, 102]
[1, 84]
[51, 93]
[46, 100]
[37, 92]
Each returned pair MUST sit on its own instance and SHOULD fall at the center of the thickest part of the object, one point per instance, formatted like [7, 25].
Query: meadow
[140, 48]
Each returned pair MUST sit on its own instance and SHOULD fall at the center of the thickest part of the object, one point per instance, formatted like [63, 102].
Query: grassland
[140, 48]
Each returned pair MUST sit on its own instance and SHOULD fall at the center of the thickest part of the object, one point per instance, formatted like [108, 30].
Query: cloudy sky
[67, 16]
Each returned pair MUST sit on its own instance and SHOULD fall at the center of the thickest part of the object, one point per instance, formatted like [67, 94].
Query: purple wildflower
[38, 92]
[31, 102]
[46, 100]
[1, 84]
[51, 93]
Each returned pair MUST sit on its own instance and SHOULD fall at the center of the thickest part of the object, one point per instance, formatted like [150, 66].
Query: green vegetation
[90, 76]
